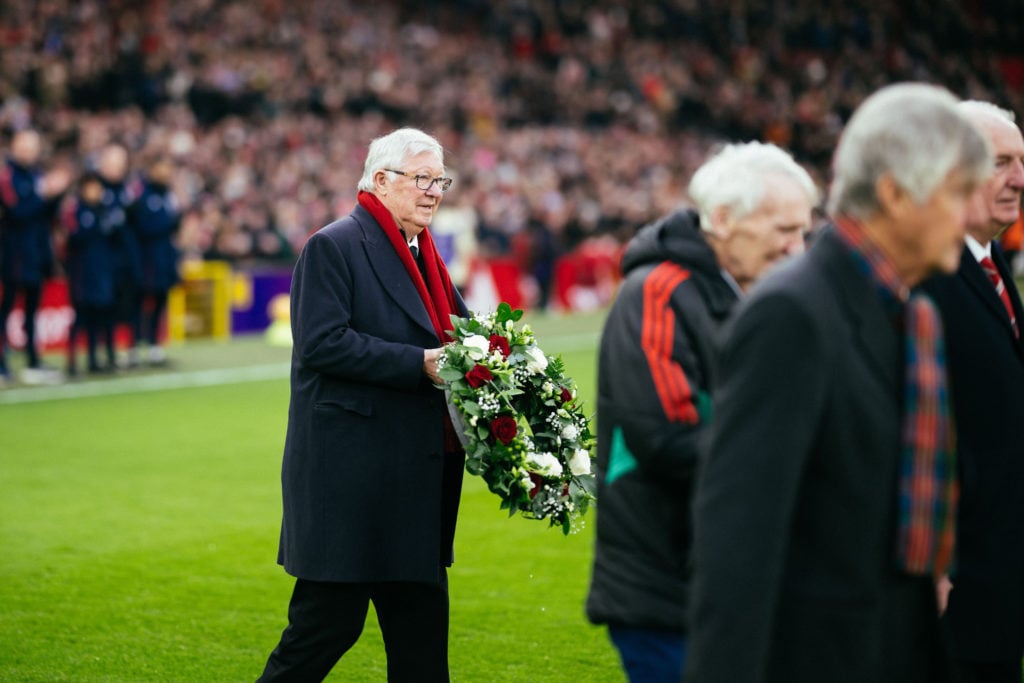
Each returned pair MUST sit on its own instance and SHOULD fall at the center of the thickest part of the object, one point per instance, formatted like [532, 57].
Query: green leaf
[450, 374]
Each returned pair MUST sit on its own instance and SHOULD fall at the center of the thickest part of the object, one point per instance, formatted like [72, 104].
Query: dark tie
[993, 275]
[415, 251]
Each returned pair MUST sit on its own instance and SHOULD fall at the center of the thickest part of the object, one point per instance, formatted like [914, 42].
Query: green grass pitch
[139, 526]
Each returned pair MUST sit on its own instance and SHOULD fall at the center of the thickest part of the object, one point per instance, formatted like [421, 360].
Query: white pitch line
[215, 377]
[130, 385]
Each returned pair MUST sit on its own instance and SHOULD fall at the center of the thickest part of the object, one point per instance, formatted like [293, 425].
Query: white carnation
[579, 463]
[544, 464]
[536, 361]
[570, 432]
[477, 346]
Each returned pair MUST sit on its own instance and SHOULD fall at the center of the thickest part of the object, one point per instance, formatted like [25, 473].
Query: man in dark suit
[982, 315]
[815, 549]
[372, 468]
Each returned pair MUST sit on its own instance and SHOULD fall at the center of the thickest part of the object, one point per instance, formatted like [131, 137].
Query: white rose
[570, 432]
[544, 463]
[579, 463]
[536, 361]
[477, 346]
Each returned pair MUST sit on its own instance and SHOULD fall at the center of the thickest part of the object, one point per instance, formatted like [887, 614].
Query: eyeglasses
[424, 182]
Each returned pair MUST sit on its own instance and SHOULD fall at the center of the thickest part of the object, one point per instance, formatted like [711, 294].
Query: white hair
[391, 151]
[913, 132]
[976, 109]
[736, 177]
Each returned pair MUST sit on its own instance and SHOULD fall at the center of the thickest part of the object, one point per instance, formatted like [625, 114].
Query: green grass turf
[140, 530]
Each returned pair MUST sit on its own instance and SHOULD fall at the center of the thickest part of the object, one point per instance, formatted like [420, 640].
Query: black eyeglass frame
[443, 183]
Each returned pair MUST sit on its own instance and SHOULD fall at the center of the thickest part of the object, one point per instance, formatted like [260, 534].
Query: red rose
[504, 428]
[538, 481]
[566, 395]
[478, 376]
[500, 343]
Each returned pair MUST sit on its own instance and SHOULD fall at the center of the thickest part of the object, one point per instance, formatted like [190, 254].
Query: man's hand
[55, 183]
[430, 357]
[942, 588]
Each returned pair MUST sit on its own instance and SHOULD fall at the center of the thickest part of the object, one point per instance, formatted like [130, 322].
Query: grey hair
[391, 151]
[736, 177]
[913, 132]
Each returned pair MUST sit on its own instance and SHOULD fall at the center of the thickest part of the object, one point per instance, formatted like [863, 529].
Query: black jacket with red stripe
[655, 369]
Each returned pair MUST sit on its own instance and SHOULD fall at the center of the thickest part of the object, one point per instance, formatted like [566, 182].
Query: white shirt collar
[977, 249]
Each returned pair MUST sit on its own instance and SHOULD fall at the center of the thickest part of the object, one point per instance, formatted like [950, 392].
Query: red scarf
[437, 292]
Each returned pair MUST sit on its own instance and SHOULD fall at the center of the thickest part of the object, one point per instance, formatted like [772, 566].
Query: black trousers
[987, 672]
[326, 619]
[30, 299]
[152, 304]
[95, 321]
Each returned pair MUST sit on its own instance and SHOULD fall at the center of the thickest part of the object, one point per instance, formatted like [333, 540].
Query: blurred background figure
[118, 198]
[28, 206]
[656, 368]
[982, 317]
[155, 218]
[89, 267]
[832, 424]
[454, 232]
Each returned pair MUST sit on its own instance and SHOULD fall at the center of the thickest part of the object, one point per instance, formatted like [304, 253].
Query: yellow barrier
[200, 305]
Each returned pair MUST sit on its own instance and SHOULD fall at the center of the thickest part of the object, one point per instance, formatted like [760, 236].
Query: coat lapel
[389, 270]
[874, 331]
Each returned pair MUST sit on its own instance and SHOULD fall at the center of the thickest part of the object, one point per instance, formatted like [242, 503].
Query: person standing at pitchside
[825, 507]
[683, 275]
[982, 317]
[29, 201]
[372, 470]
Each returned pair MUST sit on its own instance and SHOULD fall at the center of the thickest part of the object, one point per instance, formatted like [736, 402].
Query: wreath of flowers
[517, 416]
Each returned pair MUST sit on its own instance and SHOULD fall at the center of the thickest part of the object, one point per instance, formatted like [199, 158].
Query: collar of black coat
[678, 238]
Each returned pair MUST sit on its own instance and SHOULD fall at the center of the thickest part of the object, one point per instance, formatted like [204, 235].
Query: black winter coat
[655, 371]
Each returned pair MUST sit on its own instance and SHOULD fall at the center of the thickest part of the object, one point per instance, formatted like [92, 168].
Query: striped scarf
[928, 485]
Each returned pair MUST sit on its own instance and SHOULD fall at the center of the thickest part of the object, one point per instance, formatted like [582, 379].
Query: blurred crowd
[563, 120]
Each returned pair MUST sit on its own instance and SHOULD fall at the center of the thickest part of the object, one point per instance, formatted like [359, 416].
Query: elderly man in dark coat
[681, 277]
[982, 316]
[824, 510]
[372, 468]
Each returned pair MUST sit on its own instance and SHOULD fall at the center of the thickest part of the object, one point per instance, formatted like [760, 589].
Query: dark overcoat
[796, 574]
[986, 366]
[155, 219]
[90, 257]
[369, 492]
[26, 216]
